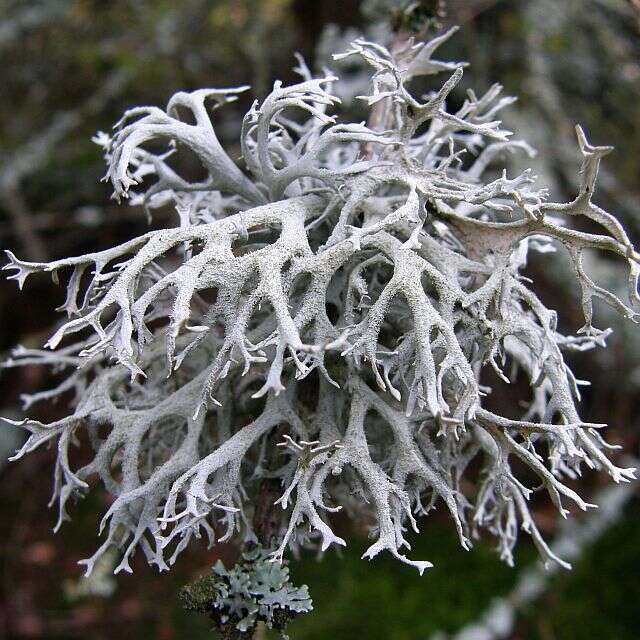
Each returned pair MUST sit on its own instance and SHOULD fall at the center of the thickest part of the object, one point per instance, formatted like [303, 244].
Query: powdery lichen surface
[341, 295]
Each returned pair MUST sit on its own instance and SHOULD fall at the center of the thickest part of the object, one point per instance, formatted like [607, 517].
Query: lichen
[254, 590]
[349, 291]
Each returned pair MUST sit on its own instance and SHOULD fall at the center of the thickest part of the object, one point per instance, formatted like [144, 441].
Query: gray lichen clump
[255, 590]
[343, 293]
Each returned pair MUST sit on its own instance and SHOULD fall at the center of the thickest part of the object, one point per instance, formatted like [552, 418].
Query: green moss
[199, 595]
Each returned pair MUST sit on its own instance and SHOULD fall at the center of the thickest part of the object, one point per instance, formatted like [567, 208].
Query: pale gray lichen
[255, 590]
[350, 291]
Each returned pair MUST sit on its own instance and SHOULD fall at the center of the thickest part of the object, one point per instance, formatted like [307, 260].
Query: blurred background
[70, 67]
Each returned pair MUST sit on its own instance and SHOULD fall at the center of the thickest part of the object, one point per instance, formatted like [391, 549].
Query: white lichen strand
[343, 295]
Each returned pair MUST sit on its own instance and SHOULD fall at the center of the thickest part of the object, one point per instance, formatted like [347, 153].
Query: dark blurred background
[69, 68]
